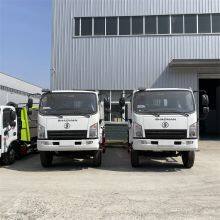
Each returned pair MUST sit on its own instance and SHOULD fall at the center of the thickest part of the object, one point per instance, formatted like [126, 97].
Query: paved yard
[158, 190]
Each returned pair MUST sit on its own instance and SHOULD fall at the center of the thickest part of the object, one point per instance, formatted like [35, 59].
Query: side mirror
[205, 112]
[122, 102]
[106, 103]
[107, 110]
[205, 100]
[12, 115]
[29, 112]
[122, 111]
[30, 103]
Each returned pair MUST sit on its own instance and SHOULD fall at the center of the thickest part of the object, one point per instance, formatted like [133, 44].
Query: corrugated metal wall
[12, 97]
[124, 63]
[14, 83]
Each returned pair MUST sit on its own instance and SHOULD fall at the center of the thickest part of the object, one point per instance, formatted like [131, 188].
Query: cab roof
[164, 89]
[72, 91]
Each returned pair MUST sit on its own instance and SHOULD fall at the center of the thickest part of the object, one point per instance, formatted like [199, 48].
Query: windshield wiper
[179, 113]
[58, 116]
[182, 113]
[156, 114]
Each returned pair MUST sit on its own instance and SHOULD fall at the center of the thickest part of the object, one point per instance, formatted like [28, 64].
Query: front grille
[166, 134]
[67, 135]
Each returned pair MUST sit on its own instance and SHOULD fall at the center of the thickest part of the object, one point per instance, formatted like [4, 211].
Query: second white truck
[164, 123]
[70, 123]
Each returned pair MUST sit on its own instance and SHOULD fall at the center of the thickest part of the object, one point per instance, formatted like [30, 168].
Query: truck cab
[70, 123]
[164, 123]
[8, 134]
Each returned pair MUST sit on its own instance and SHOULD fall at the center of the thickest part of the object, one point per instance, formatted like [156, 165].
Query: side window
[124, 25]
[77, 26]
[99, 26]
[204, 23]
[6, 117]
[111, 26]
[137, 25]
[190, 23]
[86, 26]
[216, 23]
[163, 24]
[150, 25]
[177, 24]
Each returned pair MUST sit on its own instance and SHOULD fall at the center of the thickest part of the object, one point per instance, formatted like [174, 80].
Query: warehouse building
[115, 46]
[16, 90]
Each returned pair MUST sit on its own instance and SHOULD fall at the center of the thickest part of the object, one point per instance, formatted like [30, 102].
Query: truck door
[9, 133]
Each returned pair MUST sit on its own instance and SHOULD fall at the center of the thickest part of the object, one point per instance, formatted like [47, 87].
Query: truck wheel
[10, 156]
[97, 159]
[188, 159]
[135, 158]
[46, 158]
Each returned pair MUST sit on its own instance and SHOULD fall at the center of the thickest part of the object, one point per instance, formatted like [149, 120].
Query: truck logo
[66, 120]
[67, 125]
[165, 124]
[165, 119]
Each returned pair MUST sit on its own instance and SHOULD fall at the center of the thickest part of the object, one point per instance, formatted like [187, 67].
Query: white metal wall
[13, 83]
[12, 97]
[125, 63]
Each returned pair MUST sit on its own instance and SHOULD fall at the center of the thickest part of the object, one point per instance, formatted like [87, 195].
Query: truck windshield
[68, 104]
[170, 101]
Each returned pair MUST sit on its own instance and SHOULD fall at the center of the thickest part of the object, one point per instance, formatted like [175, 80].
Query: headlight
[41, 132]
[93, 131]
[193, 130]
[138, 133]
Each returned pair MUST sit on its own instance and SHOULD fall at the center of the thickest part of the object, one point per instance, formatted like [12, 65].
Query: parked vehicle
[18, 130]
[164, 123]
[71, 123]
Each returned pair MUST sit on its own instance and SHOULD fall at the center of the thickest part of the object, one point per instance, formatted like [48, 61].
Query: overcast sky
[25, 39]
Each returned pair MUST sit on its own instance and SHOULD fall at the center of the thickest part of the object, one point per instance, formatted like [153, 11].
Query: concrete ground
[72, 190]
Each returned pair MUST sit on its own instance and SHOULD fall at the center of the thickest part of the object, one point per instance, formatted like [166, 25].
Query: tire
[97, 159]
[46, 158]
[10, 156]
[188, 159]
[135, 162]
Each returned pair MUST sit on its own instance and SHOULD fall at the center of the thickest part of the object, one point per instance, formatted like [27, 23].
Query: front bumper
[68, 145]
[165, 145]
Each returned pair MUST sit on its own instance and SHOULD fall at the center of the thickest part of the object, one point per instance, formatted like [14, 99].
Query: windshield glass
[171, 101]
[68, 104]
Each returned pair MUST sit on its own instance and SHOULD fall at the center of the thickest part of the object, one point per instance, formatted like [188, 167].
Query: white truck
[8, 134]
[71, 123]
[164, 123]
[18, 131]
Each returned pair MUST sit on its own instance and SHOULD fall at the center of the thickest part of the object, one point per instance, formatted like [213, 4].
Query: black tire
[46, 158]
[10, 156]
[135, 162]
[97, 159]
[188, 159]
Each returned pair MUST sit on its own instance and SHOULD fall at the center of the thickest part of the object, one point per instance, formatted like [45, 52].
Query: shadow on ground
[115, 159]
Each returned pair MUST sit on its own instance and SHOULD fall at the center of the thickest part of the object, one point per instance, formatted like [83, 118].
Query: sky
[25, 40]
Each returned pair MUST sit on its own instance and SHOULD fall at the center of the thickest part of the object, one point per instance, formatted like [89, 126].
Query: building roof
[17, 84]
[21, 80]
